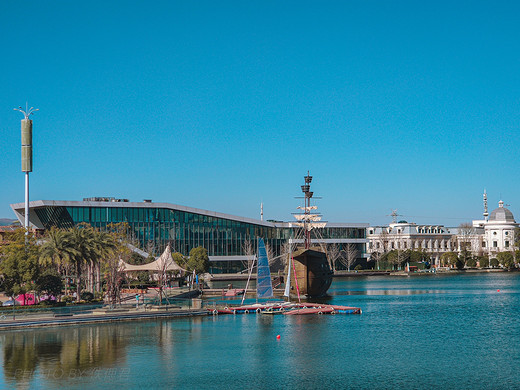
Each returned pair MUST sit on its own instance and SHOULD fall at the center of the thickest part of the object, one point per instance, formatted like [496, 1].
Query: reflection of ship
[309, 269]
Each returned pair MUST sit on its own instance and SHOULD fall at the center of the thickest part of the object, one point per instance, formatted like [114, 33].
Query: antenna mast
[485, 214]
[306, 189]
[394, 216]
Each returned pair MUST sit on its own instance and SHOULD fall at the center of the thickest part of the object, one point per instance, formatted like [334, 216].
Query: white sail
[307, 217]
[311, 225]
[287, 291]
[308, 208]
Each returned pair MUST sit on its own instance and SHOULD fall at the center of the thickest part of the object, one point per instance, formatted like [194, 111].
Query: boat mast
[306, 189]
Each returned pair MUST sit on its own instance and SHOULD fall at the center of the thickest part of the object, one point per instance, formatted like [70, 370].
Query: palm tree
[105, 243]
[56, 251]
[83, 240]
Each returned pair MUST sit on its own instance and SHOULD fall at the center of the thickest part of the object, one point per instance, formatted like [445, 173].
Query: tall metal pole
[26, 155]
[26, 224]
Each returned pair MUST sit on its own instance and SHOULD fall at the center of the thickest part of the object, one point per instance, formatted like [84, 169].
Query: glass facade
[156, 227]
[152, 228]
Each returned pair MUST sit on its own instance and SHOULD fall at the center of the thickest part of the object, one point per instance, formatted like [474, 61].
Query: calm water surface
[429, 332]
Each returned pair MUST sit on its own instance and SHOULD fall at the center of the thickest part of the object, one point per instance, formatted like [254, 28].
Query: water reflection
[424, 320]
[386, 292]
[56, 353]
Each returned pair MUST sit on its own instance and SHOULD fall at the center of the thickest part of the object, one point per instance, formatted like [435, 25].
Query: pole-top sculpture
[28, 111]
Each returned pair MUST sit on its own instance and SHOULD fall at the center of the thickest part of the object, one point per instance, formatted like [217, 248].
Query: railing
[24, 312]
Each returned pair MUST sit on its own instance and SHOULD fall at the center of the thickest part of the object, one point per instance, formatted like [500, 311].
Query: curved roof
[502, 214]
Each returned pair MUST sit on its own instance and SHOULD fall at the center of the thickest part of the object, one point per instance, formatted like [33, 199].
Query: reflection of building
[488, 236]
[154, 225]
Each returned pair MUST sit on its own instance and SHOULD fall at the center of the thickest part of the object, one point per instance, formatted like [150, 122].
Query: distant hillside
[7, 221]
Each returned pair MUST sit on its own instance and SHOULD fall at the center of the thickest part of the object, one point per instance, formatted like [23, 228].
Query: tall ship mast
[308, 267]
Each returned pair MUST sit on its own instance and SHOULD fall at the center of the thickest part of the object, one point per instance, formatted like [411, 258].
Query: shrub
[67, 299]
[87, 296]
[358, 267]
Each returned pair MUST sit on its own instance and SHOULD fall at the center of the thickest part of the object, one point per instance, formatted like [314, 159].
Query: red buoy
[498, 290]
[278, 337]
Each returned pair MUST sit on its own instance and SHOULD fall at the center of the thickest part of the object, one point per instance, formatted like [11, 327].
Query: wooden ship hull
[313, 273]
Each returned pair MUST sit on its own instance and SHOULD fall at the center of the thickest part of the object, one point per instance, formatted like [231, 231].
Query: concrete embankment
[98, 316]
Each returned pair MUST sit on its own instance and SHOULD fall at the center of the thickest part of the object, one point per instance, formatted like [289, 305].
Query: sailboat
[264, 286]
[308, 270]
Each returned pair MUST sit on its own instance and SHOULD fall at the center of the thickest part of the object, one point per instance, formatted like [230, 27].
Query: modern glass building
[155, 225]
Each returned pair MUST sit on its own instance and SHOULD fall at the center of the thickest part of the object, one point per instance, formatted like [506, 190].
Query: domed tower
[499, 230]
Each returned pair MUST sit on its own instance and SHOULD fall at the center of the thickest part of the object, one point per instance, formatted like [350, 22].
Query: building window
[507, 244]
[506, 233]
[495, 244]
[483, 244]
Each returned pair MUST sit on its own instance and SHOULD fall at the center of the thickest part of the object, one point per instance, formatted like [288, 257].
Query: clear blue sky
[222, 105]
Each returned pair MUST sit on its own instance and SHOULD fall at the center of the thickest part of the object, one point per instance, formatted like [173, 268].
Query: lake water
[421, 332]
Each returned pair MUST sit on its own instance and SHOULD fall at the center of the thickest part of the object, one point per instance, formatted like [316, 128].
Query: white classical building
[433, 239]
[488, 236]
[498, 230]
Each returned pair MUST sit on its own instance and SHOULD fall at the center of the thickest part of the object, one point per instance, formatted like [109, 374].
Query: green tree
[472, 262]
[450, 258]
[517, 238]
[180, 259]
[19, 264]
[136, 259]
[105, 243]
[83, 239]
[199, 260]
[56, 251]
[483, 261]
[419, 256]
[493, 262]
[49, 283]
[506, 259]
[391, 258]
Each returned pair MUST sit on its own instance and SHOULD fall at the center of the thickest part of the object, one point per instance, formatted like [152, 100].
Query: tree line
[80, 261]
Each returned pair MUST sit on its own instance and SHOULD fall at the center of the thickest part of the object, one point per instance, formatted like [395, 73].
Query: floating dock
[286, 308]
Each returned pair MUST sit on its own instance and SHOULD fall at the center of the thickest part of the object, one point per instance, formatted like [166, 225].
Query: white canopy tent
[163, 263]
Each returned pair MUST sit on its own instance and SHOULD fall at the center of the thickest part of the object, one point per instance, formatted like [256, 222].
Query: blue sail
[264, 287]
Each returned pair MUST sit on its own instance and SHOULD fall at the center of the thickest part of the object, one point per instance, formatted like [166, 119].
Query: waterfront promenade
[97, 316]
[180, 306]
